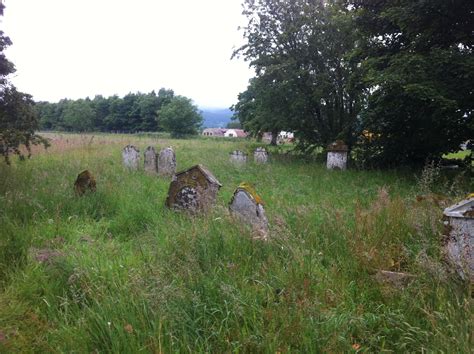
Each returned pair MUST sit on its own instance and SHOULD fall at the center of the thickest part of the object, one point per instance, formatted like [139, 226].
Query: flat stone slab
[131, 157]
[247, 206]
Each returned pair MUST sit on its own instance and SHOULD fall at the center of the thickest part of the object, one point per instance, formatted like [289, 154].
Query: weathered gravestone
[194, 190]
[337, 156]
[131, 157]
[85, 181]
[247, 206]
[459, 226]
[260, 155]
[167, 162]
[238, 157]
[151, 160]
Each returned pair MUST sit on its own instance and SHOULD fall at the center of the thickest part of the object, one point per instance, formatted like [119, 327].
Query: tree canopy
[180, 117]
[393, 78]
[18, 120]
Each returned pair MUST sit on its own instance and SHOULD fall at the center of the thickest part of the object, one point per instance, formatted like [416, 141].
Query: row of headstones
[260, 156]
[163, 163]
[336, 159]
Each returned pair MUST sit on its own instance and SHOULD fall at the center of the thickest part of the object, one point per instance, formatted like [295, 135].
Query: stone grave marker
[247, 206]
[131, 157]
[85, 181]
[337, 156]
[238, 157]
[194, 190]
[151, 160]
[167, 162]
[459, 232]
[260, 155]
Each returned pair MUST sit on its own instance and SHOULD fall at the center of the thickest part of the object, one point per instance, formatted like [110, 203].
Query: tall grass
[132, 276]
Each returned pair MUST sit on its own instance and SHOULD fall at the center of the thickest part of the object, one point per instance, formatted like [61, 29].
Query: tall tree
[301, 54]
[180, 117]
[417, 57]
[18, 119]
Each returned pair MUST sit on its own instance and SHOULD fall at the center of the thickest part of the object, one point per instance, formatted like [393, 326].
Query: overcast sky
[74, 49]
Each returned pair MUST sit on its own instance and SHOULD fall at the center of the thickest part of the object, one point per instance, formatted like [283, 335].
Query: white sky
[79, 48]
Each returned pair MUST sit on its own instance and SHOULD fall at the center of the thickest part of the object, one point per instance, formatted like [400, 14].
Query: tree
[418, 64]
[304, 71]
[180, 117]
[79, 116]
[18, 119]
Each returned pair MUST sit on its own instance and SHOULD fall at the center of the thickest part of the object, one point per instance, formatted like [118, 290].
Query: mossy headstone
[85, 182]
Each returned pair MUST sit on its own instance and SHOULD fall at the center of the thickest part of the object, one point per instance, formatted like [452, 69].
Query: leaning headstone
[337, 156]
[260, 155]
[459, 248]
[193, 190]
[151, 161]
[131, 157]
[85, 181]
[247, 206]
[238, 157]
[167, 162]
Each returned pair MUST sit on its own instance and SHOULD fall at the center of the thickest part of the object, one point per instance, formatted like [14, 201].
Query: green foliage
[304, 72]
[180, 117]
[418, 65]
[136, 277]
[18, 120]
[133, 113]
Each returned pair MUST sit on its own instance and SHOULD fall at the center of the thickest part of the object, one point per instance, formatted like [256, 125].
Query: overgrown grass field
[128, 275]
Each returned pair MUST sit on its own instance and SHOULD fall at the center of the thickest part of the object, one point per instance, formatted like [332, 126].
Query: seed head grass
[125, 274]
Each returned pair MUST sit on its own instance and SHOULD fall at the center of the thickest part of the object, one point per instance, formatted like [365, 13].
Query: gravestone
[167, 162]
[151, 161]
[131, 157]
[238, 157]
[247, 206]
[337, 156]
[459, 233]
[194, 190]
[260, 155]
[85, 181]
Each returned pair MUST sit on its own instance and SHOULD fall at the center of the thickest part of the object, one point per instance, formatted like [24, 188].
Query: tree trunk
[274, 138]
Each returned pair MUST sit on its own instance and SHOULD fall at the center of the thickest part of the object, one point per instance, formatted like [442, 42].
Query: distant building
[235, 133]
[214, 132]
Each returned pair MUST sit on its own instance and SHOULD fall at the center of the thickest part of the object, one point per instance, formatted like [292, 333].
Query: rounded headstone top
[338, 145]
[130, 147]
[260, 149]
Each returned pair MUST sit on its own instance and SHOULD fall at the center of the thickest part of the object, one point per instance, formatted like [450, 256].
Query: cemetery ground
[116, 271]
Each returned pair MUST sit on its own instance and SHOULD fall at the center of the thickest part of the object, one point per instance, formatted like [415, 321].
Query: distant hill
[216, 117]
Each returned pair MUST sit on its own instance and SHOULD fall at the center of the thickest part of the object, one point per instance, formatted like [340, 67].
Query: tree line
[393, 79]
[135, 112]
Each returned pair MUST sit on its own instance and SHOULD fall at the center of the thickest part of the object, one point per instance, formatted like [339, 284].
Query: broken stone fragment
[85, 182]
